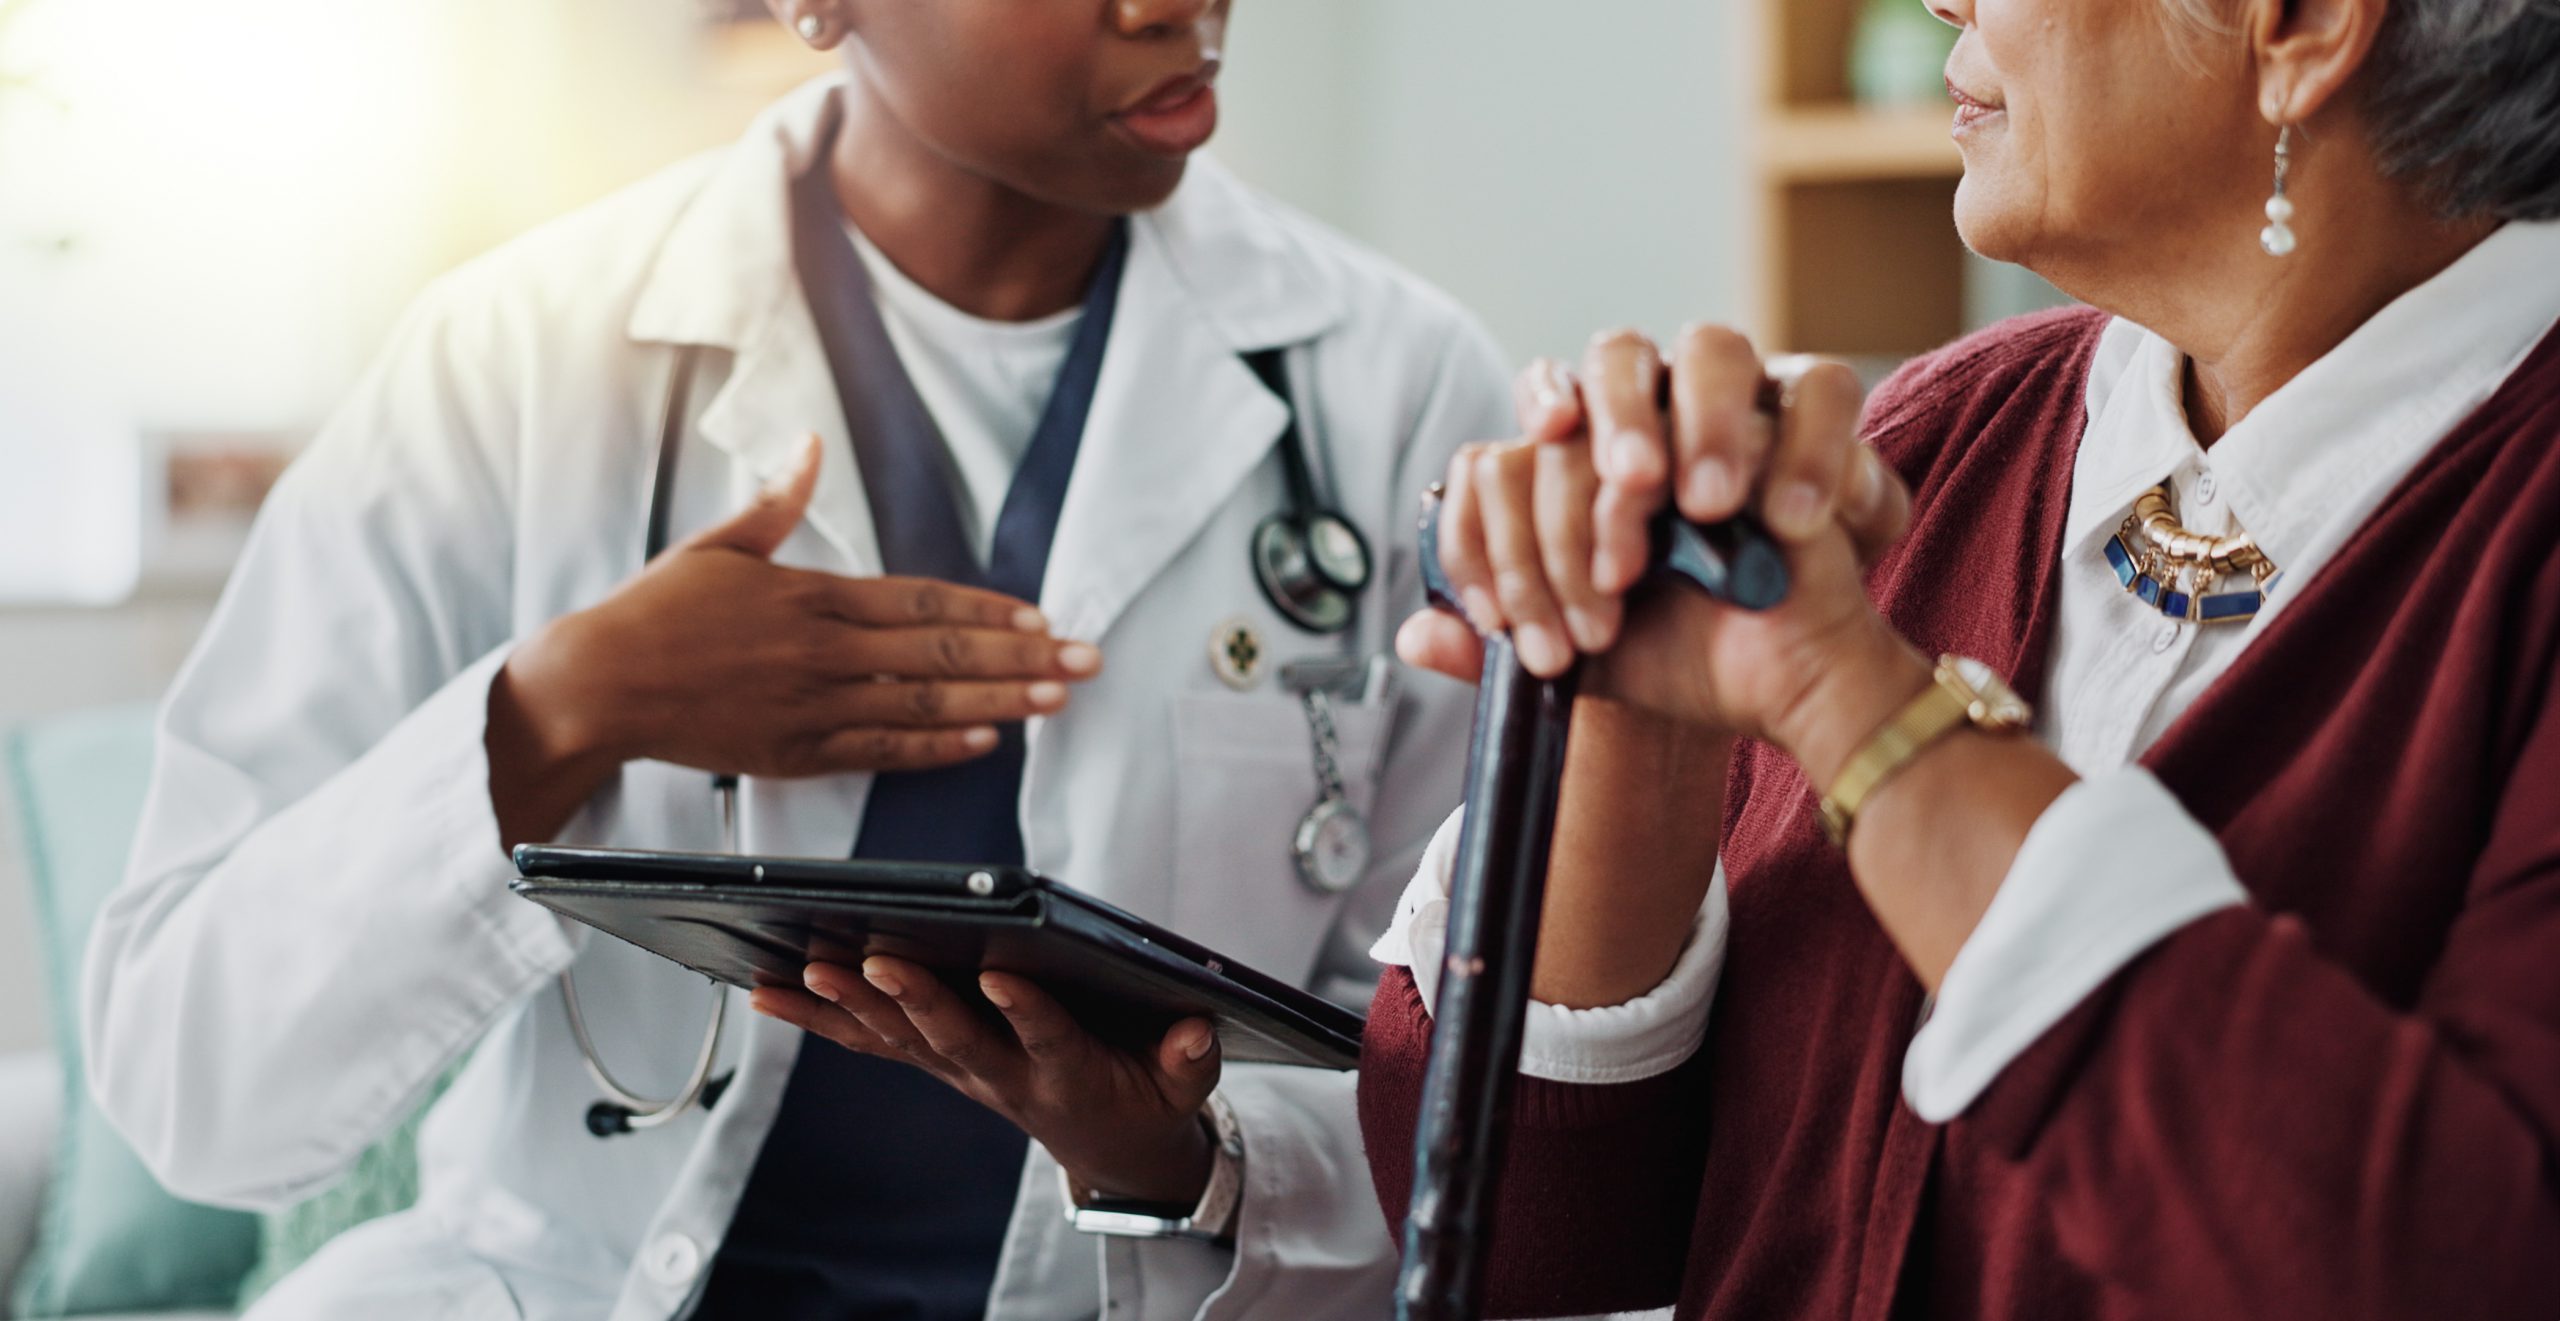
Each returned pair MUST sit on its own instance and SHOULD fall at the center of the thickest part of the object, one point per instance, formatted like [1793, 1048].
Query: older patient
[2234, 989]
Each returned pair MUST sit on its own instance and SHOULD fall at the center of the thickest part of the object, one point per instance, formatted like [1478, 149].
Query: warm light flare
[210, 213]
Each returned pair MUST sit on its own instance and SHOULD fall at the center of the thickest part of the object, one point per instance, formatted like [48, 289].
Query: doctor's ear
[817, 22]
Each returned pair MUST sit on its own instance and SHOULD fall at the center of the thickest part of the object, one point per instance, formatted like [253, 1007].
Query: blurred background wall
[209, 213]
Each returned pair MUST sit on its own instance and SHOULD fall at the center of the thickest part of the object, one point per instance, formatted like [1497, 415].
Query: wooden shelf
[1832, 144]
[1856, 251]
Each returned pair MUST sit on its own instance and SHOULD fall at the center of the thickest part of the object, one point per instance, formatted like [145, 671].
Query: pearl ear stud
[811, 27]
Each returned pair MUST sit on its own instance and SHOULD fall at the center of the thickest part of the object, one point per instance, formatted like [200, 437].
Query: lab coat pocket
[1245, 777]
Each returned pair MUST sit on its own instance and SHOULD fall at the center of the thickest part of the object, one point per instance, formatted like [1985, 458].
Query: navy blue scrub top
[881, 1193]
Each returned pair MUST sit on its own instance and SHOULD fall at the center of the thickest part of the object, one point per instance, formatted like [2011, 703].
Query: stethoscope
[1311, 564]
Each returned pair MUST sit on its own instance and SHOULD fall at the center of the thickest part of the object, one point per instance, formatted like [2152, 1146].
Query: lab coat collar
[1213, 274]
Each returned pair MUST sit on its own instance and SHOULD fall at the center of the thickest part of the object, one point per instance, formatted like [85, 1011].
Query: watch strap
[1211, 1219]
[1939, 710]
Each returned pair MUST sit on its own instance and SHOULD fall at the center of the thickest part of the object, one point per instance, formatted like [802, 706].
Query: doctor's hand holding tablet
[1120, 1122]
[716, 658]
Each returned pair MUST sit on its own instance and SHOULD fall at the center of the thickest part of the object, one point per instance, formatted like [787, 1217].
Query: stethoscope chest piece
[1312, 567]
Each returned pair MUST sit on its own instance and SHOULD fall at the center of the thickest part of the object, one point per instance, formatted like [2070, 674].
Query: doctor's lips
[1970, 109]
[1176, 116]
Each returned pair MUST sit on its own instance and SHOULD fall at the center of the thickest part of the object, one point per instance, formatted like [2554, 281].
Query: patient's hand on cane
[717, 658]
[1545, 536]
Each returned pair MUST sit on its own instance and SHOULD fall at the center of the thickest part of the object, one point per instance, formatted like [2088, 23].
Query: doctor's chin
[1190, 660]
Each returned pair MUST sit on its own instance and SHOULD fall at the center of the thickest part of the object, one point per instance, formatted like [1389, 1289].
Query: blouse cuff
[2114, 866]
[1642, 1038]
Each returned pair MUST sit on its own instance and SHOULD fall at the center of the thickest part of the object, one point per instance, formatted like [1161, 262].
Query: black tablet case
[753, 922]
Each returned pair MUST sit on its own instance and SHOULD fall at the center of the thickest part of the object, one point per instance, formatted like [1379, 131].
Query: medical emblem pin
[1236, 653]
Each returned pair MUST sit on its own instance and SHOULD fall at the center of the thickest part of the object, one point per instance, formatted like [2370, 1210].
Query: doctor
[1012, 600]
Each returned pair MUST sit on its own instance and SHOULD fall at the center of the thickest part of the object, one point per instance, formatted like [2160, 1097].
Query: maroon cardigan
[2340, 1101]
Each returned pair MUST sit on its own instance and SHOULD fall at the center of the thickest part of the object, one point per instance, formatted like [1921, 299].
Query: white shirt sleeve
[2112, 867]
[1646, 1036]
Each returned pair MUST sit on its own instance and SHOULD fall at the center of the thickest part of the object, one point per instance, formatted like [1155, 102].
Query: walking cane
[1515, 765]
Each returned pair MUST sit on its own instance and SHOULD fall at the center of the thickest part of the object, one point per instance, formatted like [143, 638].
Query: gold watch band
[1943, 707]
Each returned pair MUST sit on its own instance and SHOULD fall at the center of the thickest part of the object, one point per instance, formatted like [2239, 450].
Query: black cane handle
[1736, 562]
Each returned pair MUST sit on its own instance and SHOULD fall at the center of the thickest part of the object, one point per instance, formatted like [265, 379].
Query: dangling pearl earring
[811, 28]
[2277, 237]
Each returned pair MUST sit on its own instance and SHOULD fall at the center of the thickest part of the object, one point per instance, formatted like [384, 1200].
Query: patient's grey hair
[2462, 97]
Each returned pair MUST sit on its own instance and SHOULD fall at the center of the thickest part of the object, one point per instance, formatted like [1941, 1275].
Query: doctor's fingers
[933, 703]
[1048, 1034]
[954, 653]
[877, 1019]
[950, 1029]
[1622, 388]
[875, 748]
[890, 602]
[810, 1014]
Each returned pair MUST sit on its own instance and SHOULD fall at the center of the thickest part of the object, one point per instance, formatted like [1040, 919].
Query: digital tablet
[751, 921]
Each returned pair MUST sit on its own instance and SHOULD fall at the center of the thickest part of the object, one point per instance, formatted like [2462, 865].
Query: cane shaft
[1515, 767]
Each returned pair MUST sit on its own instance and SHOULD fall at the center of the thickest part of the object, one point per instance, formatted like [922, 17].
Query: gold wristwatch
[1963, 692]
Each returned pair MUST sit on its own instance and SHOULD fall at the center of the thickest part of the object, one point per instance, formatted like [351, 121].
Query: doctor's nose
[1156, 18]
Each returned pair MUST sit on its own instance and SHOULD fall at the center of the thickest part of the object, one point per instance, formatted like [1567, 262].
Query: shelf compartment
[1844, 143]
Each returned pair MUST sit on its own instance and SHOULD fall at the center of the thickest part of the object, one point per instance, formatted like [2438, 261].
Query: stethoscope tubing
[623, 1110]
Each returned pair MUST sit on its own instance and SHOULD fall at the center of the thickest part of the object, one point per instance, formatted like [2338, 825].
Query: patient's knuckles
[1523, 592]
[1618, 351]
[1825, 398]
[1706, 344]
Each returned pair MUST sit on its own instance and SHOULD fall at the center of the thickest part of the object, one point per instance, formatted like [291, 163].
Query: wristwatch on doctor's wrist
[1962, 693]
[1210, 1220]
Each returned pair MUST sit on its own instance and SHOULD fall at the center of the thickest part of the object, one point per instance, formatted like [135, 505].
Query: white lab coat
[317, 923]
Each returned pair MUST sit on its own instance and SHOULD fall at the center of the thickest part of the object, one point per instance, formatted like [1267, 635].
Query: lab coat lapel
[725, 279]
[781, 391]
[1178, 421]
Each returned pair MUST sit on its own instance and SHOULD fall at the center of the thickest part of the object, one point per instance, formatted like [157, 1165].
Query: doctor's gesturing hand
[717, 658]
